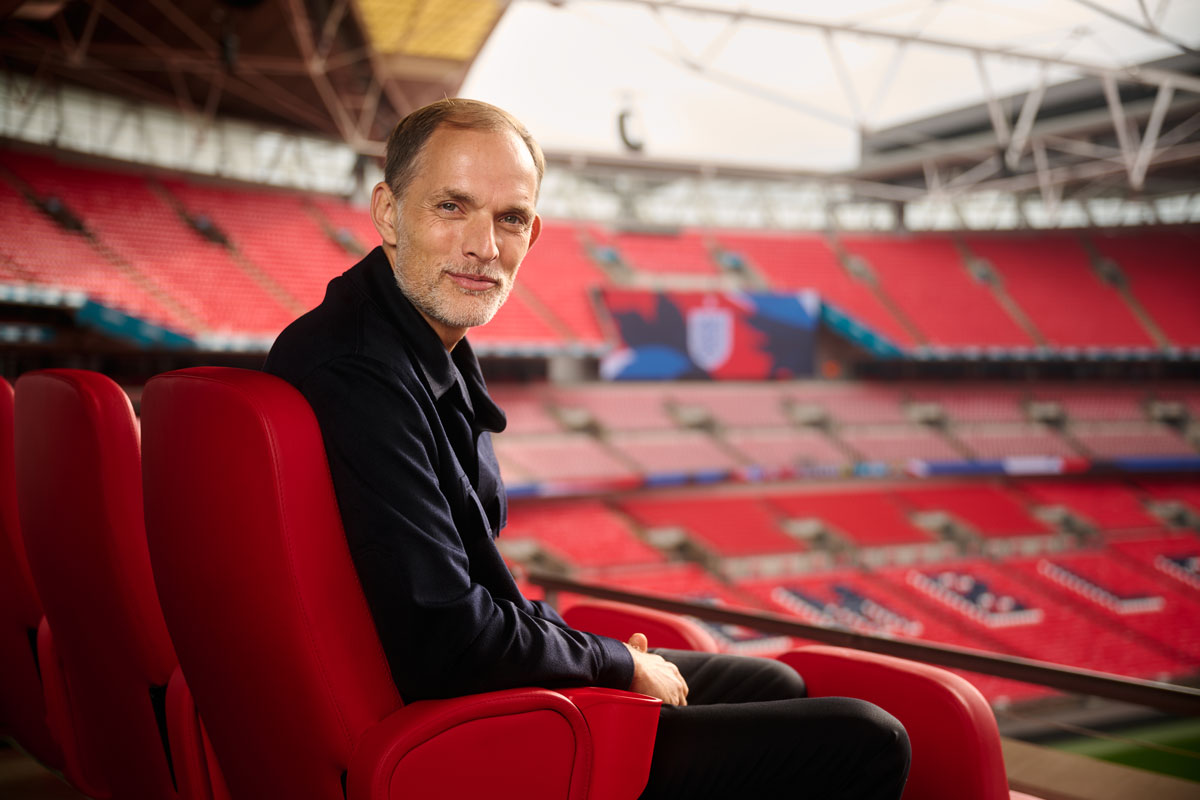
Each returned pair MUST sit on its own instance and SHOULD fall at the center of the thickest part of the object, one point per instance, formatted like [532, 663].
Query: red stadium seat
[22, 708]
[955, 741]
[282, 654]
[109, 667]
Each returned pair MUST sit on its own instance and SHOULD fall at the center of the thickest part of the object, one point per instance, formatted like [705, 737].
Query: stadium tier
[1038, 272]
[1160, 268]
[1106, 506]
[863, 518]
[37, 250]
[559, 273]
[668, 456]
[929, 282]
[671, 253]
[205, 257]
[798, 261]
[730, 527]
[857, 601]
[1028, 618]
[896, 445]
[990, 511]
[556, 528]
[779, 451]
[1019, 440]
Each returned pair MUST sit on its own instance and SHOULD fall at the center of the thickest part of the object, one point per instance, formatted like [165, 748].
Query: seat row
[212, 548]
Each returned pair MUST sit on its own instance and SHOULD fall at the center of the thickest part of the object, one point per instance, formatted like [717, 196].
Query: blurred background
[884, 315]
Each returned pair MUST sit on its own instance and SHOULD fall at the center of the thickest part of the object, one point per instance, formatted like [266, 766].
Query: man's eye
[512, 219]
[448, 206]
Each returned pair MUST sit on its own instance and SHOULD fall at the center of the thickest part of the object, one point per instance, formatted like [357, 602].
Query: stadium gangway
[1171, 698]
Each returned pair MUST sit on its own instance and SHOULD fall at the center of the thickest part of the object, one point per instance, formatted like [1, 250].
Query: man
[406, 420]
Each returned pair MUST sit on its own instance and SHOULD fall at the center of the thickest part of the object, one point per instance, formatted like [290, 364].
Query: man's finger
[639, 642]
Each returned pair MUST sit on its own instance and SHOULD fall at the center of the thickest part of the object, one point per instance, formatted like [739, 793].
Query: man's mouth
[473, 282]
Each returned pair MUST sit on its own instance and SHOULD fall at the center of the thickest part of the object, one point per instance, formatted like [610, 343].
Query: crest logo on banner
[709, 336]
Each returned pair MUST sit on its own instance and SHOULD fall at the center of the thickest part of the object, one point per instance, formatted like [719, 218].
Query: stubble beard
[436, 295]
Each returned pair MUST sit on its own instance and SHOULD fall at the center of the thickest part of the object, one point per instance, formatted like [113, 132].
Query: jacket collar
[456, 371]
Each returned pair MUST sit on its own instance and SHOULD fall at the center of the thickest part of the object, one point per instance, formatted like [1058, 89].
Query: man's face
[463, 226]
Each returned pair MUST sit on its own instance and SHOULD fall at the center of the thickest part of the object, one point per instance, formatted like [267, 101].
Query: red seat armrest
[955, 742]
[620, 621]
[516, 743]
[623, 727]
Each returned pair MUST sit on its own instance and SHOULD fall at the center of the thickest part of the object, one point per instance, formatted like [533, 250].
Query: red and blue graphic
[711, 335]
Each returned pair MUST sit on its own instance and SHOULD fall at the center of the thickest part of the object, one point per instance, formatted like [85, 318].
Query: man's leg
[748, 731]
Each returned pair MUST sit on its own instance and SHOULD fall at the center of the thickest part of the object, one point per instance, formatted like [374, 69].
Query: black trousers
[749, 731]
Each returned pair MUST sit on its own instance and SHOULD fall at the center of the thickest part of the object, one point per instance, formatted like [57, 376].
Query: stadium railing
[1171, 698]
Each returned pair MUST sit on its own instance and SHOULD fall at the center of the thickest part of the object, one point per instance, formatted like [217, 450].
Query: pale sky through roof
[774, 97]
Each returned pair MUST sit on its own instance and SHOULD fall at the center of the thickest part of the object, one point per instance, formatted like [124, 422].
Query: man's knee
[882, 737]
[779, 681]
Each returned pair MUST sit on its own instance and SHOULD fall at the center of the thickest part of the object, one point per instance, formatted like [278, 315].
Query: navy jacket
[407, 428]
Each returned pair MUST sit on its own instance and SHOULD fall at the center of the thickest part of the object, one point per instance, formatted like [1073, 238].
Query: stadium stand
[849, 403]
[1160, 267]
[274, 231]
[744, 405]
[526, 408]
[1171, 559]
[139, 225]
[797, 261]
[1094, 405]
[615, 408]
[1013, 441]
[898, 444]
[1115, 440]
[583, 535]
[1038, 271]
[973, 403]
[1100, 586]
[927, 279]
[666, 456]
[990, 511]
[730, 527]
[685, 252]
[856, 600]
[1107, 505]
[560, 274]
[567, 456]
[864, 518]
[39, 251]
[780, 451]
[1026, 619]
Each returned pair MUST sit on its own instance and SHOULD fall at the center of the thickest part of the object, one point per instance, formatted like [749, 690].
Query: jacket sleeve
[444, 634]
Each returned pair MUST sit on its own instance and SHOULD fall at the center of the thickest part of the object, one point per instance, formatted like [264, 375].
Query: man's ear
[384, 211]
[535, 230]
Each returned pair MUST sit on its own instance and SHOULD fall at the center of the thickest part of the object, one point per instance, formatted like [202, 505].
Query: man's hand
[654, 675]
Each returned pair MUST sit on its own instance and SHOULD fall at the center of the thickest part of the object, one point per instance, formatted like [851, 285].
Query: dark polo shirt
[407, 428]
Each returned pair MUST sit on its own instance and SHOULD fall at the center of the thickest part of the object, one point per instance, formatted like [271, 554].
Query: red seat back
[22, 709]
[80, 500]
[256, 581]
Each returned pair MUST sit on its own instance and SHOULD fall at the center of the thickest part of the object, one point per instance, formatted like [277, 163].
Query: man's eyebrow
[458, 196]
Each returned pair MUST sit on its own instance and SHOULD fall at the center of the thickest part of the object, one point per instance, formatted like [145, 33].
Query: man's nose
[479, 240]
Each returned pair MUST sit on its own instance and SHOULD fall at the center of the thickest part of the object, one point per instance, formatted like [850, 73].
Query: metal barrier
[1172, 698]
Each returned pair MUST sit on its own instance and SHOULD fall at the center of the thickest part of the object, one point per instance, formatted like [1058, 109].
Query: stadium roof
[898, 100]
[343, 68]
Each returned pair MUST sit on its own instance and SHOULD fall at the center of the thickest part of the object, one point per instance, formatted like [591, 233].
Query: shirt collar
[444, 371]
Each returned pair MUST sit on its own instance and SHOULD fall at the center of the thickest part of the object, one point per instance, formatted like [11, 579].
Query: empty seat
[22, 707]
[80, 499]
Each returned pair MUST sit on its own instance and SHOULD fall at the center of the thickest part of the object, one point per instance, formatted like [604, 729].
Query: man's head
[408, 138]
[456, 210]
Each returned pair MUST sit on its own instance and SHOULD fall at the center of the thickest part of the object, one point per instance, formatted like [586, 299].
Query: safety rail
[1172, 698]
